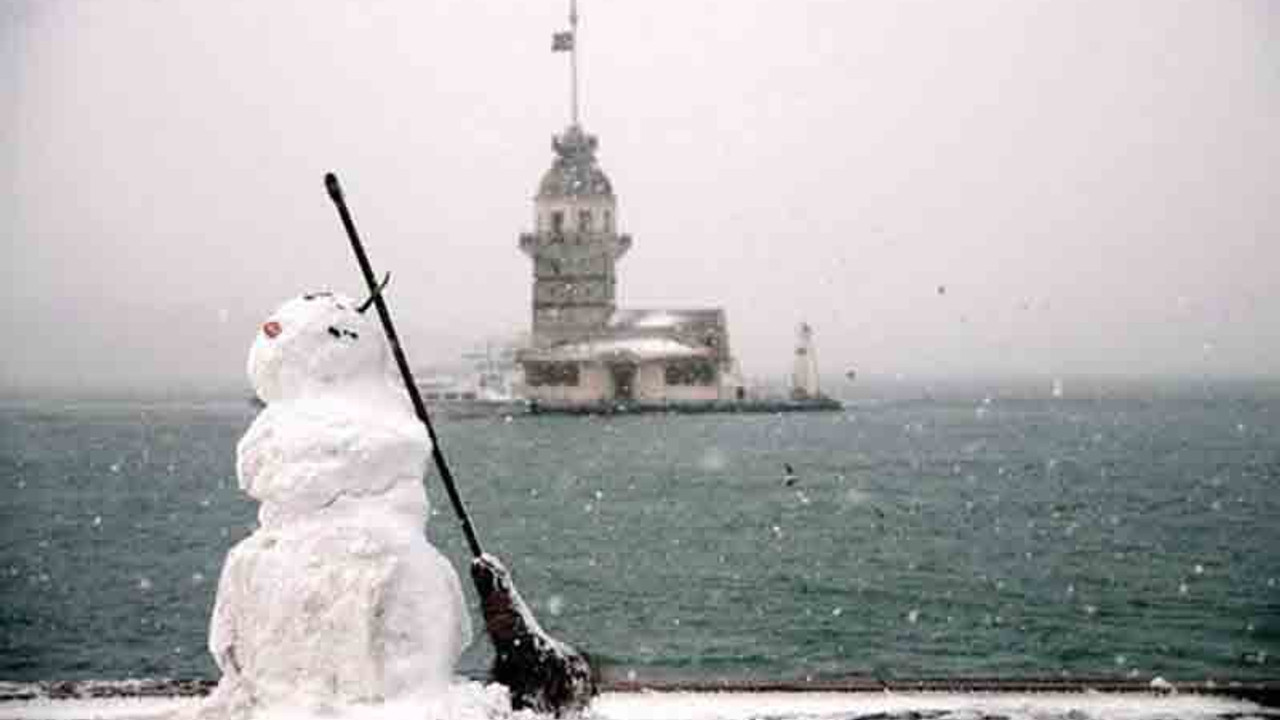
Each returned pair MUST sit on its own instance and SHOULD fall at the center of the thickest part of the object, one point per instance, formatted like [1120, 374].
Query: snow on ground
[934, 706]
[97, 708]
[473, 702]
[459, 701]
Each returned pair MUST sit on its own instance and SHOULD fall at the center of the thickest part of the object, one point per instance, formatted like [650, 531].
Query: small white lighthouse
[804, 377]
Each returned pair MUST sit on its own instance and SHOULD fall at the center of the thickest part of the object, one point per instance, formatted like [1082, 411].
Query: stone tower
[575, 246]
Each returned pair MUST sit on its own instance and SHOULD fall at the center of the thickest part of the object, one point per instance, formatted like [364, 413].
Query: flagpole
[573, 56]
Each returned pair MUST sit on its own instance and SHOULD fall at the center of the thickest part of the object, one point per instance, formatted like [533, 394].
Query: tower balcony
[574, 242]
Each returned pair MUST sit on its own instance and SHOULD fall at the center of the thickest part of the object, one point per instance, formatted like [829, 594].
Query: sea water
[1121, 530]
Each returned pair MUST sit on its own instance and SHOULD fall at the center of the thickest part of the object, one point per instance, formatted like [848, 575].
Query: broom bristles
[542, 673]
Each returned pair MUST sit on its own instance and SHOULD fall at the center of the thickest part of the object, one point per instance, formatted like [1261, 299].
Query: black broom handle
[419, 408]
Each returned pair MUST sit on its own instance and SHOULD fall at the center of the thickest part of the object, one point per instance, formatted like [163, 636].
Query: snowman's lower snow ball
[337, 598]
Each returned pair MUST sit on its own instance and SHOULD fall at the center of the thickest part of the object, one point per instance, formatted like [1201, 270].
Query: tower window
[690, 372]
[608, 221]
[539, 374]
[584, 220]
[557, 222]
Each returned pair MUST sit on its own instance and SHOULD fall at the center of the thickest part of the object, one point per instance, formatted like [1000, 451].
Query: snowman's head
[312, 344]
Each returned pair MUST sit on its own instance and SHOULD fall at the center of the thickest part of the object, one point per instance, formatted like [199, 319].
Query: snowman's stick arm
[419, 407]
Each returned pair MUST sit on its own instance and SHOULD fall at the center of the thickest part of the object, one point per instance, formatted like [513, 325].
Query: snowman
[337, 598]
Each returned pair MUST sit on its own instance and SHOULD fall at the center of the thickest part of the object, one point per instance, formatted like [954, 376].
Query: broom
[542, 673]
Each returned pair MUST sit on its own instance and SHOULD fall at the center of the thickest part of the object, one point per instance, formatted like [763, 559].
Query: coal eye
[335, 332]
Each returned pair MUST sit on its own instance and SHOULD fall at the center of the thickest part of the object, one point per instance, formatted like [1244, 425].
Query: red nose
[272, 328]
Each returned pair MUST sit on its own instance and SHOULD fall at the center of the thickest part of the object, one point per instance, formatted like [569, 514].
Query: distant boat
[485, 392]
[462, 398]
[1056, 389]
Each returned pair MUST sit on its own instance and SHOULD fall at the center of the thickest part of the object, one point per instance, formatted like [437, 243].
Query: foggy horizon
[940, 189]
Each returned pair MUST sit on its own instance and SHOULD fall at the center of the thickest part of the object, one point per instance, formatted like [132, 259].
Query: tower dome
[575, 172]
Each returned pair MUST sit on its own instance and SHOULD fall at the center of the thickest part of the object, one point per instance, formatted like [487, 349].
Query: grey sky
[1093, 183]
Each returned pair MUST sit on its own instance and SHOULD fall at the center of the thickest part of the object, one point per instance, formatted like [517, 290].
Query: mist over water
[939, 189]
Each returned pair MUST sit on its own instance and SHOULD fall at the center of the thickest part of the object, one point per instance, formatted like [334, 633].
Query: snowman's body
[337, 597]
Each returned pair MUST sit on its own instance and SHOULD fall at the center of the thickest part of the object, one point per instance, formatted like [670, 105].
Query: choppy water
[979, 532]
